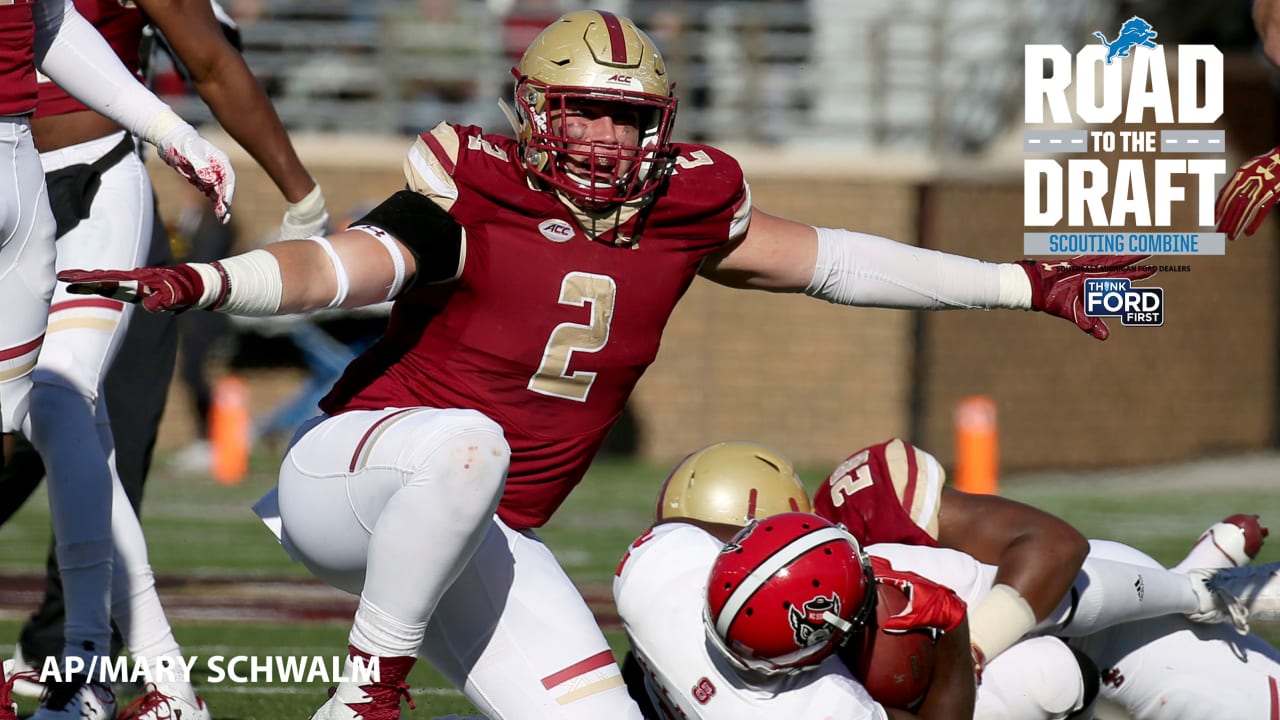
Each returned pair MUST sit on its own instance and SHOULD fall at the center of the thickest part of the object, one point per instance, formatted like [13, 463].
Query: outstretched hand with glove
[1057, 287]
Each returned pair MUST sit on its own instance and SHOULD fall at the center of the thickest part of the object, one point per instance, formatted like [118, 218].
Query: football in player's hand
[895, 668]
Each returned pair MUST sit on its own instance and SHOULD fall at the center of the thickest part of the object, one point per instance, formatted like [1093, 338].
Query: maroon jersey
[17, 59]
[545, 330]
[121, 25]
[889, 492]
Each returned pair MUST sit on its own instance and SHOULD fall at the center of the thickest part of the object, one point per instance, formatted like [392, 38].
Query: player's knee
[470, 449]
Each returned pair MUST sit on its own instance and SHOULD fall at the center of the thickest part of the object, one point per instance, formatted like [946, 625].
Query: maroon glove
[929, 605]
[1243, 203]
[1057, 287]
[174, 287]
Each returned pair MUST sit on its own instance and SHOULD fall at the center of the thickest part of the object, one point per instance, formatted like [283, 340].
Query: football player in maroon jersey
[532, 278]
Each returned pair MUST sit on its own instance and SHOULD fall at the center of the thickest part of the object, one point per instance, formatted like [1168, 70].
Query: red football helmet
[786, 592]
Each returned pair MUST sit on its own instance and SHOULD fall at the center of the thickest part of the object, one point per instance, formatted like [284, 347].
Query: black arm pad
[430, 233]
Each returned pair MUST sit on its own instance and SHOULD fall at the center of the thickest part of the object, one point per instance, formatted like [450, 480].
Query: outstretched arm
[850, 268]
[224, 81]
[1038, 557]
[407, 238]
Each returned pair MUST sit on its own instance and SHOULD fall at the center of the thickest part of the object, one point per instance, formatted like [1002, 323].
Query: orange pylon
[977, 446]
[229, 431]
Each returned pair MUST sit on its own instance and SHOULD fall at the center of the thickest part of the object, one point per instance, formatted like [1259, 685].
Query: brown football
[896, 668]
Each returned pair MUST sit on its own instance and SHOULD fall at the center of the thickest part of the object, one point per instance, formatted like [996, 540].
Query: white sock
[1107, 593]
[1221, 546]
[378, 633]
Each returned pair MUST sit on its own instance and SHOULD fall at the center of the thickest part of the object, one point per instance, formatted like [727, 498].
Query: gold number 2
[553, 377]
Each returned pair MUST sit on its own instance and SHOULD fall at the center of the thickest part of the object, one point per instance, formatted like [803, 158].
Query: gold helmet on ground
[732, 483]
[594, 56]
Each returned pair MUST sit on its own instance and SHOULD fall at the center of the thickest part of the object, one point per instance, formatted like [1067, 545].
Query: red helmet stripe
[617, 41]
[751, 504]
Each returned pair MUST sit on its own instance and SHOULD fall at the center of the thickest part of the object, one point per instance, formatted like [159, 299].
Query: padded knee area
[463, 448]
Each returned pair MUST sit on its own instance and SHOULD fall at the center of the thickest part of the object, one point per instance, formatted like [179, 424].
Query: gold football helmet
[732, 483]
[594, 56]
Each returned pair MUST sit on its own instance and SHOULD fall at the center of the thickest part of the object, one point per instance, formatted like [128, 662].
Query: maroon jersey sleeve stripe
[438, 150]
[617, 41]
[595, 662]
[104, 303]
[20, 350]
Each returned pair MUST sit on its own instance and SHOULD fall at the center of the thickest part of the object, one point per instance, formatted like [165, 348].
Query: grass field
[197, 527]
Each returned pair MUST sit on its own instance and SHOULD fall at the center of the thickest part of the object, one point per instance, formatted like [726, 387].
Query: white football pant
[26, 267]
[1170, 668]
[398, 506]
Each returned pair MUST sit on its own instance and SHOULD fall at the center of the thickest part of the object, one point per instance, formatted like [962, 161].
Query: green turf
[194, 525]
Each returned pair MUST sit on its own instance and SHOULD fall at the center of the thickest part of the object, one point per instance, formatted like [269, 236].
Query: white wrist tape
[871, 271]
[1015, 287]
[253, 285]
[308, 209]
[397, 259]
[339, 271]
[1000, 620]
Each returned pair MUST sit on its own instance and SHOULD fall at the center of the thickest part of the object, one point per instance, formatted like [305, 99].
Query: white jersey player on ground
[1165, 668]
[1035, 678]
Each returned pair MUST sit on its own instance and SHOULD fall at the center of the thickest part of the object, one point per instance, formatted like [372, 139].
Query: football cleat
[24, 679]
[158, 705]
[1234, 542]
[1237, 594]
[8, 708]
[374, 701]
[77, 700]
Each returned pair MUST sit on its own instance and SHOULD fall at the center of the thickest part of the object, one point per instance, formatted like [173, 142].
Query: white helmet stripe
[785, 555]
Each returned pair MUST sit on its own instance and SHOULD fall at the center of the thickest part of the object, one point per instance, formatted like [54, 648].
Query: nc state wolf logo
[808, 623]
[1133, 33]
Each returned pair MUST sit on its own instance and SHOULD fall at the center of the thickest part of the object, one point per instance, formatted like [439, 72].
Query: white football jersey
[659, 591]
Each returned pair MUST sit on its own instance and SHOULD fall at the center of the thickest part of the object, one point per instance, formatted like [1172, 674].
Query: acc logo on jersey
[556, 230]
[809, 622]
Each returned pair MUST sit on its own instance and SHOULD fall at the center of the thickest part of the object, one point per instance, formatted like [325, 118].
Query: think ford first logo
[1104, 100]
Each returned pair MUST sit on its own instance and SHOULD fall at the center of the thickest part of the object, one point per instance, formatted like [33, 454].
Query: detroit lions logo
[809, 623]
[1133, 33]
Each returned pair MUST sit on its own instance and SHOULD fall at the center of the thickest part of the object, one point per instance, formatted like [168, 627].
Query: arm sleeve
[871, 271]
[75, 56]
[437, 241]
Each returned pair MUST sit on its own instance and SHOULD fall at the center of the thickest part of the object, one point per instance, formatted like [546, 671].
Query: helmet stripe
[617, 40]
[785, 555]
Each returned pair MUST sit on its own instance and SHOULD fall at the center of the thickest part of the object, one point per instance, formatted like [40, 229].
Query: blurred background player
[450, 394]
[54, 38]
[104, 206]
[677, 669]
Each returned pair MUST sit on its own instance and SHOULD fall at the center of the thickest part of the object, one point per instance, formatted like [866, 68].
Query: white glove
[196, 159]
[306, 217]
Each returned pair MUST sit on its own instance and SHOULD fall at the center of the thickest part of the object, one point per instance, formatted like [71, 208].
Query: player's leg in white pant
[391, 504]
[1172, 669]
[1035, 679]
[515, 634]
[84, 334]
[26, 267]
